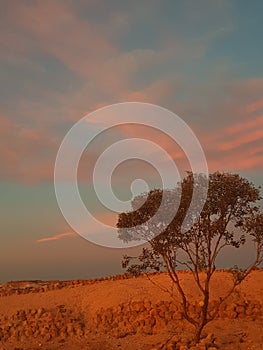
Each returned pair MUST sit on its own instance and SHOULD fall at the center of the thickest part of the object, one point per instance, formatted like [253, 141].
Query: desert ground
[121, 312]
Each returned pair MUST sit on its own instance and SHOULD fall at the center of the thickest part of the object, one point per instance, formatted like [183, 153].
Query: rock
[138, 306]
[40, 311]
[120, 333]
[183, 347]
[175, 339]
[171, 346]
[148, 347]
[202, 347]
[240, 309]
[210, 338]
[153, 312]
[148, 330]
[232, 314]
[147, 304]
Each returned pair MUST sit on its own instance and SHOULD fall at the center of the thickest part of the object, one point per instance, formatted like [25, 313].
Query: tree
[230, 216]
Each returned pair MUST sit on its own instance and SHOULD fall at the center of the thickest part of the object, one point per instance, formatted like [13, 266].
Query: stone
[175, 339]
[147, 330]
[40, 311]
[147, 304]
[183, 347]
[171, 346]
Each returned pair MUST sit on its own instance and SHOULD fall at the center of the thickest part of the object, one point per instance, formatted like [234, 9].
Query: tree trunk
[198, 332]
[203, 321]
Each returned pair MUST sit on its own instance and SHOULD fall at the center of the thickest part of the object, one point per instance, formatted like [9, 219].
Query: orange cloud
[57, 237]
[235, 162]
[249, 137]
[27, 154]
[239, 134]
[233, 139]
[245, 126]
[255, 106]
[55, 29]
[106, 218]
[235, 147]
[155, 93]
[250, 87]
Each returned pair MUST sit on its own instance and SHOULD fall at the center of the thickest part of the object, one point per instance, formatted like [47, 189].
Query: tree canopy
[229, 217]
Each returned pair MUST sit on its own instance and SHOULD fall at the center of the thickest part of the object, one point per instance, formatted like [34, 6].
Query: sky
[61, 60]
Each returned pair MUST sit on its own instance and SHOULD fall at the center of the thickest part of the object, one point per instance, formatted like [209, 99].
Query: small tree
[229, 216]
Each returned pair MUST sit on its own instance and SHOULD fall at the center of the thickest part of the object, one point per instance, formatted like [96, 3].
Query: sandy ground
[90, 298]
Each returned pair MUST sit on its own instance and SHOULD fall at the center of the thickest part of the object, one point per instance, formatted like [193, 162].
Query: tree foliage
[230, 216]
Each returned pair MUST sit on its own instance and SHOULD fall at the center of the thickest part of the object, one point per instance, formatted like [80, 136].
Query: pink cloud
[27, 154]
[247, 132]
[249, 137]
[53, 28]
[245, 126]
[106, 218]
[57, 237]
[234, 142]
[249, 87]
[255, 106]
[235, 147]
[235, 162]
[156, 92]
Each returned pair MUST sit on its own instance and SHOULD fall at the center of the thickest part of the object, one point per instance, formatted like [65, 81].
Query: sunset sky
[60, 60]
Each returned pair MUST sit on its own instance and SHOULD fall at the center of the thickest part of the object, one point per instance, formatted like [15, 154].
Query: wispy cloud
[57, 237]
[255, 106]
[27, 153]
[101, 70]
